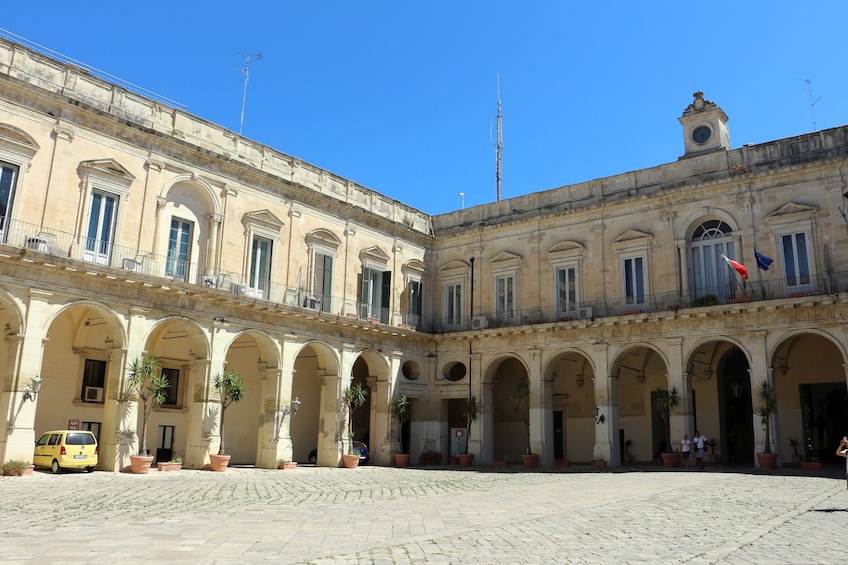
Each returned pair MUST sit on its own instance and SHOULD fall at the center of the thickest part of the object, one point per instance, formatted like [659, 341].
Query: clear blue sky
[400, 96]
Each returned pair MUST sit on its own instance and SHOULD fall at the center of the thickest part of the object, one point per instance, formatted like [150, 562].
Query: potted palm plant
[768, 405]
[149, 387]
[402, 411]
[230, 389]
[666, 401]
[470, 410]
[352, 397]
[520, 403]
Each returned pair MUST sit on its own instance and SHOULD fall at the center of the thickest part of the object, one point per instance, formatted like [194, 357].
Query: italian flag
[738, 267]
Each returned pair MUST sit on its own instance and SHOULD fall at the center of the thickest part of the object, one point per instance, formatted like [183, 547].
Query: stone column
[274, 433]
[25, 357]
[331, 440]
[212, 247]
[111, 457]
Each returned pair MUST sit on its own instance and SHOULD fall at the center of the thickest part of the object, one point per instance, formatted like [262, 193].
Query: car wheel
[89, 469]
[55, 467]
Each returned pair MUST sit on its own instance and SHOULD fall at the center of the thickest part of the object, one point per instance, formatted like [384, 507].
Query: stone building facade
[130, 226]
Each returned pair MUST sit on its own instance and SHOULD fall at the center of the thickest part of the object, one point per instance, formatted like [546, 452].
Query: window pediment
[106, 174]
[505, 257]
[632, 240]
[265, 220]
[566, 249]
[792, 211]
[18, 140]
[324, 238]
[414, 267]
[374, 255]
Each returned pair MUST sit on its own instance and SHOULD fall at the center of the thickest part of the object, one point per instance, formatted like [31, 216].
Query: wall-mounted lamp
[287, 411]
[598, 419]
[31, 390]
[295, 406]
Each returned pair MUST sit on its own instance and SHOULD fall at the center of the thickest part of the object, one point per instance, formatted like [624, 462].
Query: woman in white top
[685, 449]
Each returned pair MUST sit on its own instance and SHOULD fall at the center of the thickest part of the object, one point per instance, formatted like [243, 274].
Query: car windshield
[79, 439]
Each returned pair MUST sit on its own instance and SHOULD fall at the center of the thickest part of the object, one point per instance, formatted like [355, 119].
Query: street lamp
[31, 390]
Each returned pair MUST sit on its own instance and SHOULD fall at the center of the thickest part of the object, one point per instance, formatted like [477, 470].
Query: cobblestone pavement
[449, 515]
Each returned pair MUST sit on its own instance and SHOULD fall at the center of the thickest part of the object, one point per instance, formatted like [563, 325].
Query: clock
[701, 134]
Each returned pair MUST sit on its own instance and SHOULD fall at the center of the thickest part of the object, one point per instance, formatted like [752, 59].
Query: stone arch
[718, 396]
[508, 437]
[808, 371]
[197, 184]
[315, 382]
[637, 370]
[692, 221]
[571, 427]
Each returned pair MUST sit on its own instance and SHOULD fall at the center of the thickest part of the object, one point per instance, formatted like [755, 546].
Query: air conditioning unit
[312, 302]
[585, 313]
[479, 323]
[37, 244]
[237, 288]
[93, 394]
[132, 265]
[210, 282]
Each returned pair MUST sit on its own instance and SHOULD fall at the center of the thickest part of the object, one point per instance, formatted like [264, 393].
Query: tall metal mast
[248, 58]
[499, 151]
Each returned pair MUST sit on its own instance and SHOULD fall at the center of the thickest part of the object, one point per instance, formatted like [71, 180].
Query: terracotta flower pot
[351, 461]
[401, 459]
[767, 460]
[530, 460]
[562, 464]
[287, 465]
[814, 466]
[671, 459]
[167, 466]
[500, 463]
[600, 464]
[466, 459]
[140, 464]
[219, 463]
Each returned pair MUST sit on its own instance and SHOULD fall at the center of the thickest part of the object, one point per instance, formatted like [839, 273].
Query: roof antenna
[499, 151]
[248, 58]
[812, 103]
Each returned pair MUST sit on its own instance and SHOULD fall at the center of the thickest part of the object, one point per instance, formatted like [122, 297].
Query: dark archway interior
[736, 443]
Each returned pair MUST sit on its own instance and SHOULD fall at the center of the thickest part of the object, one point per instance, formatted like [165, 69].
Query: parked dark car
[357, 445]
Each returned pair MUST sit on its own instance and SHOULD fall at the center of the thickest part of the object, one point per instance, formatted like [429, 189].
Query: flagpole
[759, 275]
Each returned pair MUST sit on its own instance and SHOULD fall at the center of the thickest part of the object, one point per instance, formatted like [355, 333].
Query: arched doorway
[510, 419]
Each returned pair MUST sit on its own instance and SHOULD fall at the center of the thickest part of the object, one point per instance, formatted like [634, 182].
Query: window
[101, 228]
[504, 296]
[260, 267]
[93, 380]
[796, 264]
[179, 249]
[634, 280]
[453, 304]
[323, 287]
[93, 427]
[172, 393]
[710, 275]
[414, 288]
[8, 179]
[566, 290]
[376, 294]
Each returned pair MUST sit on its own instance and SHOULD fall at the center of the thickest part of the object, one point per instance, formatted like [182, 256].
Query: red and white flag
[738, 267]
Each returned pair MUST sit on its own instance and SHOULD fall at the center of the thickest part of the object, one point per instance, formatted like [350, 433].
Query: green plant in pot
[230, 388]
[667, 400]
[521, 405]
[768, 406]
[145, 384]
[353, 397]
[470, 411]
[402, 412]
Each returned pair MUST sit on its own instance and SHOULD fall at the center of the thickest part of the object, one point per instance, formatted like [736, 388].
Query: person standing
[842, 451]
[685, 449]
[700, 443]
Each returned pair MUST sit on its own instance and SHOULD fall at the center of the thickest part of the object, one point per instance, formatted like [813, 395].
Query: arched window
[710, 274]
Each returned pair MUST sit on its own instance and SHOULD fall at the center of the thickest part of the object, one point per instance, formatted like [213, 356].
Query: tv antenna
[499, 151]
[812, 103]
[248, 59]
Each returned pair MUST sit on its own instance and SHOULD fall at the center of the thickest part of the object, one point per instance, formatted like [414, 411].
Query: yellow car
[66, 449]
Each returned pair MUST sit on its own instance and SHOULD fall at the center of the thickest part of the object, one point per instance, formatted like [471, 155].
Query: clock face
[701, 134]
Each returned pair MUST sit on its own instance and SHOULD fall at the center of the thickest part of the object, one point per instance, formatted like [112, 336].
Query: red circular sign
[459, 433]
